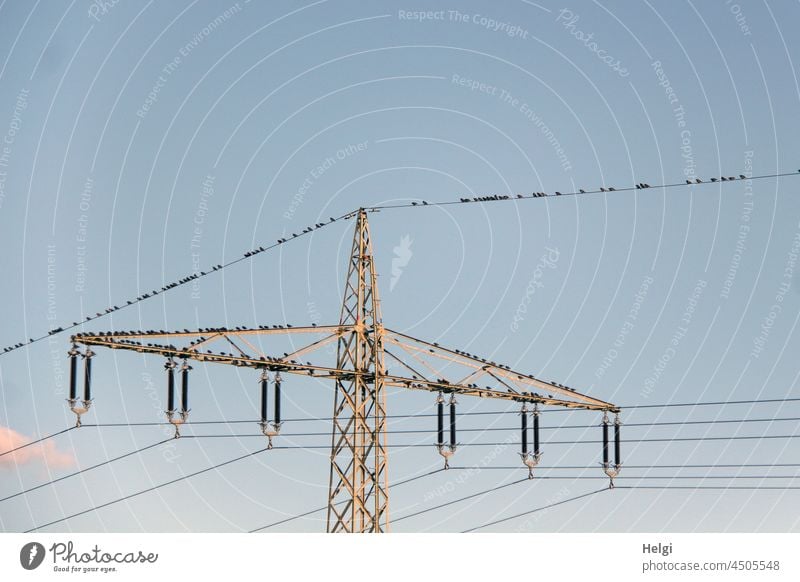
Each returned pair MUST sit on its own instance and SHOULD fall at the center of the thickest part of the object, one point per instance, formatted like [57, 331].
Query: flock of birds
[295, 235]
[280, 241]
[639, 186]
[168, 350]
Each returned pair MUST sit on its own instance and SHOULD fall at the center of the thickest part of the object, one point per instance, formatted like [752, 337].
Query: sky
[143, 142]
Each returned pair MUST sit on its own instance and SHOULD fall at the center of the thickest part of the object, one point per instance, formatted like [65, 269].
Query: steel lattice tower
[358, 494]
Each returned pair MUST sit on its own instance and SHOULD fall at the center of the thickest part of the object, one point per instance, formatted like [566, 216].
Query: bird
[602, 189]
[558, 193]
[611, 190]
[698, 181]
[582, 191]
[714, 179]
[742, 176]
[688, 181]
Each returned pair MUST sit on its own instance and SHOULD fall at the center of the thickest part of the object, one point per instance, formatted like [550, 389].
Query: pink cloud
[44, 452]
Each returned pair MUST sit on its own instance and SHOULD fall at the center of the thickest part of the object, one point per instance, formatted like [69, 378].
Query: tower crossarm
[206, 345]
[488, 392]
[424, 365]
[502, 381]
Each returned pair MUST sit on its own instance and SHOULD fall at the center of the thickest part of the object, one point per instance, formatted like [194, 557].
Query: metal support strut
[73, 382]
[446, 451]
[270, 429]
[612, 471]
[530, 459]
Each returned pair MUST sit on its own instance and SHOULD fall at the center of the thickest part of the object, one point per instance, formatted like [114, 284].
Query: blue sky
[145, 141]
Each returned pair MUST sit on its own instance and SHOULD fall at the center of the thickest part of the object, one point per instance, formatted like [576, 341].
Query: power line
[624, 477]
[489, 429]
[717, 403]
[580, 192]
[685, 466]
[507, 443]
[563, 501]
[317, 510]
[459, 500]
[677, 439]
[309, 229]
[148, 490]
[169, 286]
[81, 471]
[44, 438]
[576, 477]
[474, 413]
[562, 478]
[712, 487]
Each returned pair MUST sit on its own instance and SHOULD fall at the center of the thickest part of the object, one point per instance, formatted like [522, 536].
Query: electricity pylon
[358, 495]
[358, 477]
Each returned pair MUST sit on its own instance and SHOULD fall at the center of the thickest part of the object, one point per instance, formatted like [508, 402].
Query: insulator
[440, 415]
[264, 381]
[524, 417]
[87, 374]
[185, 387]
[73, 373]
[170, 387]
[277, 398]
[605, 441]
[617, 456]
[536, 432]
[452, 422]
